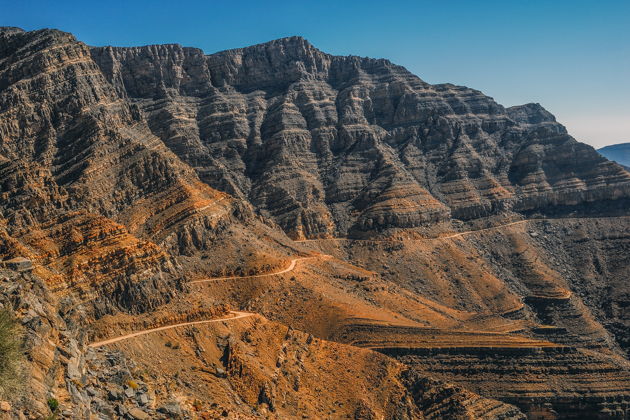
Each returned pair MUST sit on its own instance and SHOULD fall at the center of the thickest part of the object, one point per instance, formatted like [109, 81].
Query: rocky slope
[88, 191]
[156, 186]
[328, 146]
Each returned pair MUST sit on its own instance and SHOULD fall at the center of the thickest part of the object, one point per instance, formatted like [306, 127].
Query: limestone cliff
[328, 145]
[151, 192]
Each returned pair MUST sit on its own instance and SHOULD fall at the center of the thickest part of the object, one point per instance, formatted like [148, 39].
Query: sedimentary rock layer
[155, 185]
[327, 145]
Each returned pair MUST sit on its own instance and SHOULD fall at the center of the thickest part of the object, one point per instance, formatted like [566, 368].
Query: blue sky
[571, 56]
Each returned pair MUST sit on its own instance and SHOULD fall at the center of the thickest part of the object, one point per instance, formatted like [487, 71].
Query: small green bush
[11, 355]
[53, 404]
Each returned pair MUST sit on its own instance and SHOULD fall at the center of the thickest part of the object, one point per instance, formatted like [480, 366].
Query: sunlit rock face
[329, 145]
[151, 187]
[89, 193]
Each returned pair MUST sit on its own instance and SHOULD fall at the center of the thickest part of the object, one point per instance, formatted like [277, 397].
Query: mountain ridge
[291, 97]
[619, 153]
[375, 228]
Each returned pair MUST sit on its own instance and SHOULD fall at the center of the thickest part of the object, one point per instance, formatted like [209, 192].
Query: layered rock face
[330, 146]
[88, 191]
[69, 141]
[152, 190]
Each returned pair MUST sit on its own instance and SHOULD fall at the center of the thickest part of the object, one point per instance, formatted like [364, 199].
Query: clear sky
[573, 56]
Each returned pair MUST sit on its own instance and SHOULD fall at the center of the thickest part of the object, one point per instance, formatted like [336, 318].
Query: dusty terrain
[275, 232]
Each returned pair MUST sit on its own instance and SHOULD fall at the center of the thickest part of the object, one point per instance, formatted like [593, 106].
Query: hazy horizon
[616, 144]
[571, 57]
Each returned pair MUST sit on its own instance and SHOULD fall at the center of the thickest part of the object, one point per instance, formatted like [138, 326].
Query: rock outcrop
[329, 145]
[145, 188]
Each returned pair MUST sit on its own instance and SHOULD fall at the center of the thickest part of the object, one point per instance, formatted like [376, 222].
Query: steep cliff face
[87, 190]
[330, 146]
[65, 127]
[152, 187]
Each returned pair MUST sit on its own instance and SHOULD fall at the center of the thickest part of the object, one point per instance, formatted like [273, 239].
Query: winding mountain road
[235, 315]
[468, 232]
[291, 267]
[452, 236]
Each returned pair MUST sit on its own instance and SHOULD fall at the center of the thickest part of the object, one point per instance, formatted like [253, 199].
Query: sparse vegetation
[53, 404]
[11, 355]
[171, 345]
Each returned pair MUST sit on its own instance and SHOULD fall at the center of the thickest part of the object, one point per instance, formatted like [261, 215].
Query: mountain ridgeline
[270, 231]
[619, 153]
[331, 146]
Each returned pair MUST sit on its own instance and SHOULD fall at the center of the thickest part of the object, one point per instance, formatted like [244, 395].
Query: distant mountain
[620, 153]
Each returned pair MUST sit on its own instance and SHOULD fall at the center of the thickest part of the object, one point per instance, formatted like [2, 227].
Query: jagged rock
[138, 414]
[74, 371]
[18, 264]
[172, 409]
[326, 145]
[143, 399]
[115, 170]
[114, 393]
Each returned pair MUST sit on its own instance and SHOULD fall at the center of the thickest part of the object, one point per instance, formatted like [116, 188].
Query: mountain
[334, 146]
[619, 153]
[268, 232]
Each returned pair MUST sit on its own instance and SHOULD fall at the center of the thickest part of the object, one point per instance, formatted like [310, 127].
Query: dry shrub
[11, 356]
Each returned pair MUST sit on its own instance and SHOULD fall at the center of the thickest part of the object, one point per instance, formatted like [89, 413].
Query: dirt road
[291, 267]
[234, 315]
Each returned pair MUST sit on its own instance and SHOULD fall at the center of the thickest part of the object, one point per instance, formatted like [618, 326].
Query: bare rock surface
[456, 259]
[328, 145]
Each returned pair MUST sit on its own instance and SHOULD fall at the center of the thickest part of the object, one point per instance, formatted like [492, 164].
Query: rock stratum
[395, 249]
[330, 146]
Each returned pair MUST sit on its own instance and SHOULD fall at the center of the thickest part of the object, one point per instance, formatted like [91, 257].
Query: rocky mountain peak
[271, 65]
[156, 187]
[10, 29]
[531, 113]
[280, 124]
[293, 46]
